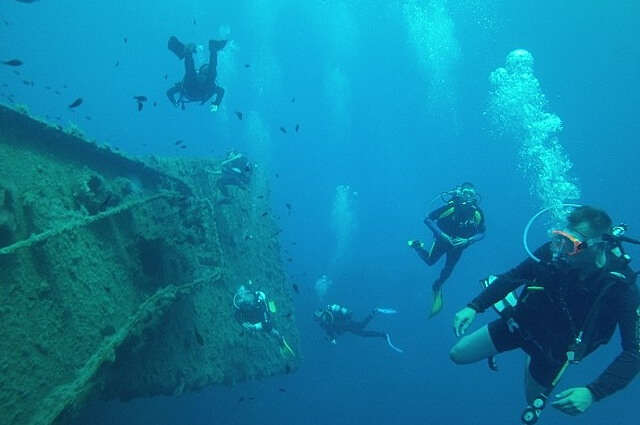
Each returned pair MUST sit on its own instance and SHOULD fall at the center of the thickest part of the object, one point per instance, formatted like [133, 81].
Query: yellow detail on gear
[447, 212]
[478, 217]
[272, 306]
[287, 347]
[436, 306]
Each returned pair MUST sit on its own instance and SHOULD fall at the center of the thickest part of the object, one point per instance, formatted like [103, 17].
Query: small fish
[288, 315]
[13, 62]
[117, 64]
[194, 21]
[88, 117]
[64, 86]
[293, 100]
[199, 338]
[287, 369]
[179, 142]
[290, 259]
[284, 130]
[282, 390]
[297, 127]
[277, 175]
[264, 214]
[260, 196]
[252, 398]
[27, 1]
[125, 40]
[247, 65]
[155, 103]
[241, 399]
[76, 103]
[140, 98]
[295, 288]
[5, 22]
[57, 92]
[140, 106]
[47, 87]
[239, 115]
[183, 146]
[294, 243]
[15, 71]
[288, 205]
[28, 83]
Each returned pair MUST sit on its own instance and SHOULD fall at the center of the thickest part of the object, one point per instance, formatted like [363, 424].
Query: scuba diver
[253, 311]
[335, 320]
[200, 85]
[576, 289]
[455, 226]
[235, 170]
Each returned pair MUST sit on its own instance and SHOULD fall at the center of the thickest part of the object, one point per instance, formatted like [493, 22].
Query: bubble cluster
[337, 88]
[344, 220]
[518, 111]
[432, 33]
[322, 285]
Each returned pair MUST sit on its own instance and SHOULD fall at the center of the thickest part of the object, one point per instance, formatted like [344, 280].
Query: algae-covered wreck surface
[118, 275]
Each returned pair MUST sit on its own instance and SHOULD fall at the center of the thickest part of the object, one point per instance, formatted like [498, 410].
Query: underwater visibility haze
[354, 117]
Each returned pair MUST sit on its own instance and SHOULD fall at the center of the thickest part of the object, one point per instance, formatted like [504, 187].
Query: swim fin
[436, 306]
[176, 47]
[388, 338]
[385, 310]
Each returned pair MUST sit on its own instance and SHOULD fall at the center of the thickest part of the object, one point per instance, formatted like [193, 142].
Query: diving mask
[564, 243]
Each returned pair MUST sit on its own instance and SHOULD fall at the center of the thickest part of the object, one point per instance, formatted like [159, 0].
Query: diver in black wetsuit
[200, 85]
[455, 226]
[254, 312]
[335, 320]
[577, 289]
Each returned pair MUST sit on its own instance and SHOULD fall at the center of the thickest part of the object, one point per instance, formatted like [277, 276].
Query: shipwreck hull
[118, 275]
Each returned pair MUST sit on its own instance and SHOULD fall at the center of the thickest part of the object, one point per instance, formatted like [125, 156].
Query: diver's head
[464, 194]
[243, 297]
[322, 316]
[583, 242]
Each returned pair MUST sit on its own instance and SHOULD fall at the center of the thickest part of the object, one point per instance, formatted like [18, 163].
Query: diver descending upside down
[197, 85]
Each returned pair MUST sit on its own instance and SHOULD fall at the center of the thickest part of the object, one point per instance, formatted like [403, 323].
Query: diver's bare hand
[459, 241]
[574, 400]
[463, 320]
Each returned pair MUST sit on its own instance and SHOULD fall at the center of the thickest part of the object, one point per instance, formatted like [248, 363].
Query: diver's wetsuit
[455, 220]
[551, 318]
[257, 312]
[198, 86]
[336, 323]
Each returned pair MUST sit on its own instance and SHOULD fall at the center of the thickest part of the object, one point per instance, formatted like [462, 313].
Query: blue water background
[399, 150]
